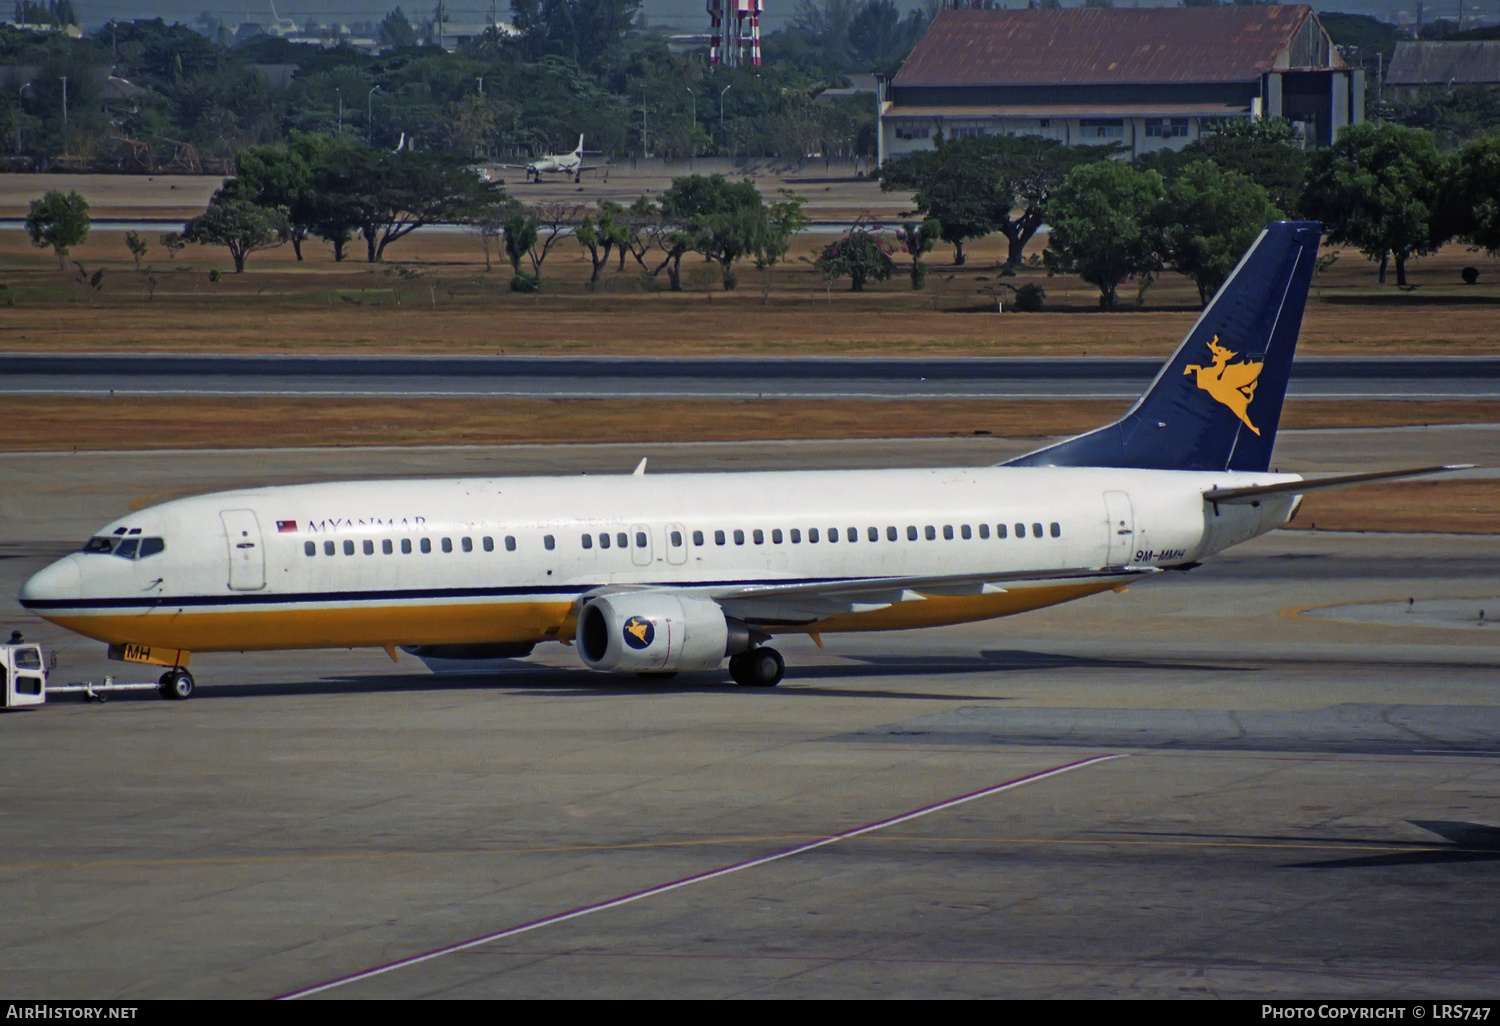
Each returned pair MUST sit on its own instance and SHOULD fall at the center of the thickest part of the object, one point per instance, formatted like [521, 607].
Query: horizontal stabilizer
[1254, 492]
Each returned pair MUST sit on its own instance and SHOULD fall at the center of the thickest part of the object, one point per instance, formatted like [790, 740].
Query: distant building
[1415, 65]
[1148, 79]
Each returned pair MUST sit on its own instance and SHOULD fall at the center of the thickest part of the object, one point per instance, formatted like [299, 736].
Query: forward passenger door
[247, 557]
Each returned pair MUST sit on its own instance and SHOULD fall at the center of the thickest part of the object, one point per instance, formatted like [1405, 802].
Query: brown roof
[1101, 46]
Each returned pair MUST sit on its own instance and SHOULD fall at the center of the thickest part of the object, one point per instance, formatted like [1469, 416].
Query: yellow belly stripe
[477, 623]
[347, 627]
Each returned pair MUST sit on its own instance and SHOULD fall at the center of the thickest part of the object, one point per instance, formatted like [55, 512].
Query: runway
[147, 375]
[1210, 786]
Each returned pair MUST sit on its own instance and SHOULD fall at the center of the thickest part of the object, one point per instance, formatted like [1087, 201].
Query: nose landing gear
[176, 685]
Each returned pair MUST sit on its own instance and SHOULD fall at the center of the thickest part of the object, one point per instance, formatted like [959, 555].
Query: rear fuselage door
[247, 556]
[1121, 527]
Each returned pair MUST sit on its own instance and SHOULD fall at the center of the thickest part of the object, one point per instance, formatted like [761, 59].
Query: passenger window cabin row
[423, 545]
[756, 536]
[833, 535]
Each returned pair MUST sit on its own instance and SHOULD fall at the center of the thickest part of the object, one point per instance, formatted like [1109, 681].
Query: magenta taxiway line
[688, 881]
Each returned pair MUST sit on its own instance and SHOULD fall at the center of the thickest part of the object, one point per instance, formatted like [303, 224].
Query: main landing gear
[176, 684]
[757, 668]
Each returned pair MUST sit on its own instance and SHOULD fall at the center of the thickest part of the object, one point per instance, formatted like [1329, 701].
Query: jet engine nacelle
[654, 632]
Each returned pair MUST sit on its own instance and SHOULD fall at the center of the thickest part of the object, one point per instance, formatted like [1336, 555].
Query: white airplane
[655, 574]
[558, 163]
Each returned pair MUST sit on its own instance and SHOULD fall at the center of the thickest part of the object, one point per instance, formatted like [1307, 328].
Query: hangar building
[1145, 78]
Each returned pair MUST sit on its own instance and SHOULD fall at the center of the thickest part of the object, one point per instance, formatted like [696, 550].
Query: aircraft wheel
[175, 685]
[758, 668]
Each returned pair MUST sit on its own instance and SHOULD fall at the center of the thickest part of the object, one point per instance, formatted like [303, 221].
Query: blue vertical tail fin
[1216, 403]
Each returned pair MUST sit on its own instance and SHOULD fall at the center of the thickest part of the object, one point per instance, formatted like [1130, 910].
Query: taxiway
[1298, 799]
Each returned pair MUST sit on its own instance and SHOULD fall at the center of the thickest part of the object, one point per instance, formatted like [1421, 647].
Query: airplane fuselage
[555, 165]
[499, 560]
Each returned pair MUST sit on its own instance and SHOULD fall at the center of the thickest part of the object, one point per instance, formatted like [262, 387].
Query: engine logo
[639, 632]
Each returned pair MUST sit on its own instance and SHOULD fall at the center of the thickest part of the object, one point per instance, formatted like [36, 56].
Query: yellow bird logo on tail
[1231, 384]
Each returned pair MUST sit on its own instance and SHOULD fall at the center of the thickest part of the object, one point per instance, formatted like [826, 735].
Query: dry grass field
[434, 295]
[38, 423]
[48, 423]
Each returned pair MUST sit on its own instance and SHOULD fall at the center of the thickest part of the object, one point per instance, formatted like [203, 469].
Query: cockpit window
[126, 548]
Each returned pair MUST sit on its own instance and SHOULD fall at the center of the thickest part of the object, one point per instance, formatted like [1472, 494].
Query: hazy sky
[682, 14]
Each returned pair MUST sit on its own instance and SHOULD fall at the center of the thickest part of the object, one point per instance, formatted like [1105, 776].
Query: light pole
[692, 127]
[65, 113]
[340, 94]
[370, 116]
[721, 114]
[20, 98]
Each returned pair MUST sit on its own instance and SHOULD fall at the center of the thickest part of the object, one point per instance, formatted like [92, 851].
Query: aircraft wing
[804, 602]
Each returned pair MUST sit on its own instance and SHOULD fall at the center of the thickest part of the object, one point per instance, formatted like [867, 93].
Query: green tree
[599, 237]
[1101, 225]
[1028, 168]
[917, 239]
[722, 220]
[395, 31]
[784, 219]
[1452, 115]
[488, 222]
[273, 176]
[1265, 150]
[962, 194]
[519, 235]
[1375, 189]
[58, 220]
[880, 38]
[860, 256]
[1471, 195]
[591, 32]
[240, 225]
[387, 196]
[1209, 219]
[978, 185]
[137, 247]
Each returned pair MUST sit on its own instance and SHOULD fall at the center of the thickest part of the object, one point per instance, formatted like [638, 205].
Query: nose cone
[58, 583]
